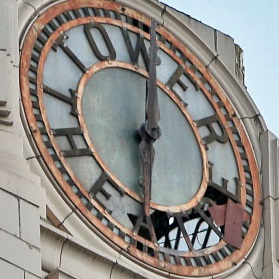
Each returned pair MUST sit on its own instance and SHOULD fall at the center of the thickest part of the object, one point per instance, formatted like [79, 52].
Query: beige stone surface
[226, 51]
[3, 73]
[20, 253]
[9, 213]
[10, 271]
[31, 276]
[59, 274]
[29, 223]
[3, 30]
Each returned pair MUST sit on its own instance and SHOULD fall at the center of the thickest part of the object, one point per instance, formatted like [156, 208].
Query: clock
[140, 138]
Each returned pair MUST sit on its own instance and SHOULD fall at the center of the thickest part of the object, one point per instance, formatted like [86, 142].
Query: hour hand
[147, 154]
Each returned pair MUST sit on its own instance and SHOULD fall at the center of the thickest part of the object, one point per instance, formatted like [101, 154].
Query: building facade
[52, 224]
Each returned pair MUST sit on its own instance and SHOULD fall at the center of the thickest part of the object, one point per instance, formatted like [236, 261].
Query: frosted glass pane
[113, 107]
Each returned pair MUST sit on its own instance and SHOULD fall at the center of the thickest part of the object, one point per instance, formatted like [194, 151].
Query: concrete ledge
[59, 274]
[77, 259]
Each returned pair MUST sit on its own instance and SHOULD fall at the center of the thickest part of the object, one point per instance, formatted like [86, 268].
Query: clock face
[83, 74]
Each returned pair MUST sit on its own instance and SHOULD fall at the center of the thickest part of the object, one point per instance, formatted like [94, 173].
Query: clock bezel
[215, 87]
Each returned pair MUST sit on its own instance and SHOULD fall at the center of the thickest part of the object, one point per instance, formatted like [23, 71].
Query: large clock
[140, 138]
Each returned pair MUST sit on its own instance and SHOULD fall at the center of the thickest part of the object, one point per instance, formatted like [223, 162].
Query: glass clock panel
[60, 72]
[223, 168]
[114, 113]
[78, 43]
[86, 169]
[59, 110]
[113, 108]
[166, 68]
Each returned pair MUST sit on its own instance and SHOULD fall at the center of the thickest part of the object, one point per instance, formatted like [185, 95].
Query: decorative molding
[4, 114]
[275, 167]
[239, 67]
[8, 60]
[270, 162]
[66, 257]
[59, 274]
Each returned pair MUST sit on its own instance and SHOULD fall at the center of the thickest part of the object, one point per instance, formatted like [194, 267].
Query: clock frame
[213, 203]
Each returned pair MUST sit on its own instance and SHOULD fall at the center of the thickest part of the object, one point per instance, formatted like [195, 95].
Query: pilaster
[20, 194]
[270, 151]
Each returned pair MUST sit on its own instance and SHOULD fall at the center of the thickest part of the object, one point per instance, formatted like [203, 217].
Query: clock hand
[152, 112]
[150, 130]
[147, 155]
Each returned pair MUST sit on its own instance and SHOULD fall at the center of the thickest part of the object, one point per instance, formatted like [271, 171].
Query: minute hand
[152, 104]
[150, 131]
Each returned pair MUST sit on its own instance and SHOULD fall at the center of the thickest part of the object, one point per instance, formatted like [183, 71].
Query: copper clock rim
[190, 203]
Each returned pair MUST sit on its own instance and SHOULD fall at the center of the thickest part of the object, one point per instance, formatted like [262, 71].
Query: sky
[254, 25]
